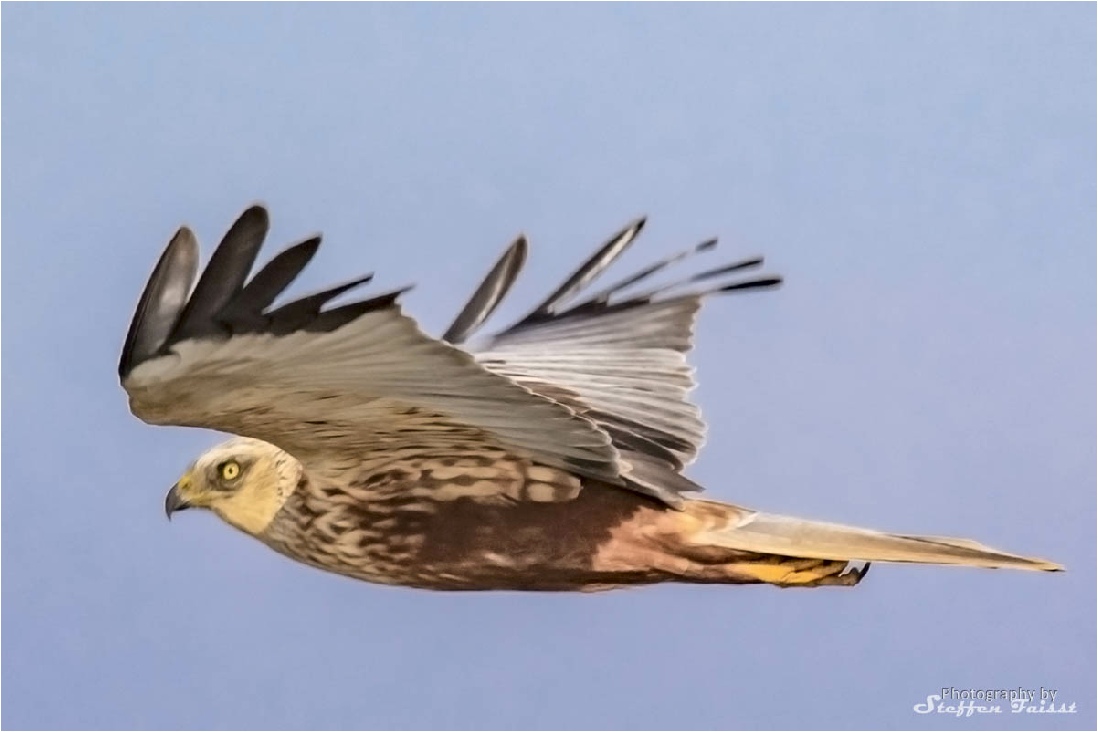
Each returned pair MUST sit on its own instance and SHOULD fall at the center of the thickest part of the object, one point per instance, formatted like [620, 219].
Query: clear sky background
[924, 177]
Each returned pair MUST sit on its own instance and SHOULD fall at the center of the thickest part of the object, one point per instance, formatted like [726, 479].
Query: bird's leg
[793, 572]
[853, 574]
[849, 575]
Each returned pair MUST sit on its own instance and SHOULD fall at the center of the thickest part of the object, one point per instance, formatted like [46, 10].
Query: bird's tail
[764, 533]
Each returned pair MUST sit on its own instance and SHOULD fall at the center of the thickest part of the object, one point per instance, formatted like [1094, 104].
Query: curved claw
[851, 576]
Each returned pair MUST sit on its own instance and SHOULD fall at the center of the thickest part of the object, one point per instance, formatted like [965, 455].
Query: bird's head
[243, 481]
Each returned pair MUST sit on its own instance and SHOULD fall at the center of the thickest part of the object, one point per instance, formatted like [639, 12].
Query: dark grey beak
[174, 502]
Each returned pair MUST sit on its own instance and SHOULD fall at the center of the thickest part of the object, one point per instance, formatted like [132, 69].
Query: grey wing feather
[618, 357]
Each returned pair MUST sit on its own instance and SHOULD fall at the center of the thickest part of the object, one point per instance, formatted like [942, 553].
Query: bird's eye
[229, 470]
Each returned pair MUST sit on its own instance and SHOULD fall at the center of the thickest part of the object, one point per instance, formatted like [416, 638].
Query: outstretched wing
[617, 355]
[325, 384]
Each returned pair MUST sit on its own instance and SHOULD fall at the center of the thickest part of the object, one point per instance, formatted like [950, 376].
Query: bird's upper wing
[616, 356]
[325, 384]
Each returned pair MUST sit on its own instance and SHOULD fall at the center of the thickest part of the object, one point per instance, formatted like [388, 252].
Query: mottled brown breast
[461, 522]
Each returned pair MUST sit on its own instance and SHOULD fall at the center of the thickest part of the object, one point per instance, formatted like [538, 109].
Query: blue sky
[923, 175]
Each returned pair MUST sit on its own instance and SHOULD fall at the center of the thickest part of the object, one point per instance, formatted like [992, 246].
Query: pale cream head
[244, 481]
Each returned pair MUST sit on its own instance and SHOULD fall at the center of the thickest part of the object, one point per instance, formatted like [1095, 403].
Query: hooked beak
[174, 501]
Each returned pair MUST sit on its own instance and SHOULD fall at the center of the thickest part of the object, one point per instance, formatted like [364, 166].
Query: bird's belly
[465, 544]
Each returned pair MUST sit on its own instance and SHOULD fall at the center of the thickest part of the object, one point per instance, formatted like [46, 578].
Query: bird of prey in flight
[546, 456]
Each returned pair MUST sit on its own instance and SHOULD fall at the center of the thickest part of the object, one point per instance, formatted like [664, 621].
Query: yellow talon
[800, 572]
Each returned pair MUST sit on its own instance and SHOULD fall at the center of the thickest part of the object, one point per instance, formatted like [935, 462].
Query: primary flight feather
[547, 456]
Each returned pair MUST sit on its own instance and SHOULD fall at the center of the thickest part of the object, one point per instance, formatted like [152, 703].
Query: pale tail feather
[773, 534]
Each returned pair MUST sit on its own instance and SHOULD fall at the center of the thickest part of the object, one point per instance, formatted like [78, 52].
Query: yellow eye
[229, 470]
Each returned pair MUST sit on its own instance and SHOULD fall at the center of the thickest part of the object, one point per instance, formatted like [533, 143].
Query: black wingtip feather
[224, 275]
[489, 294]
[603, 296]
[604, 300]
[299, 313]
[162, 300]
[759, 284]
[586, 273]
[337, 317]
[221, 304]
[273, 279]
[728, 269]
